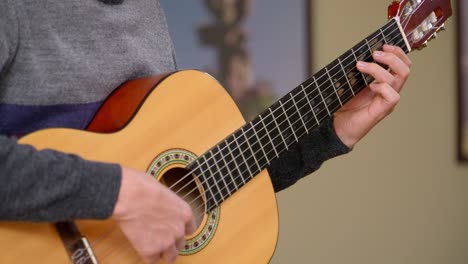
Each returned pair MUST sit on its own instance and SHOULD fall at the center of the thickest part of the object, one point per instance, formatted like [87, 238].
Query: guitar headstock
[421, 20]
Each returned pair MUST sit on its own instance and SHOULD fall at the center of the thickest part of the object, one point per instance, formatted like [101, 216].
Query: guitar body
[187, 111]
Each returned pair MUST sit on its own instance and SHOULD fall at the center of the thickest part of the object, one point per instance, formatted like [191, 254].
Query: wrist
[345, 138]
[125, 194]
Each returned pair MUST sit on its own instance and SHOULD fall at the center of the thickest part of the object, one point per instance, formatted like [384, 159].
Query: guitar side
[188, 110]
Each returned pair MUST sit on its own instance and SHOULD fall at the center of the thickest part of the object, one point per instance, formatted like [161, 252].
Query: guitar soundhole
[169, 168]
[186, 186]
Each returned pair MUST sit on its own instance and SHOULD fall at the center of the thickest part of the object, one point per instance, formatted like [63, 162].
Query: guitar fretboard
[239, 157]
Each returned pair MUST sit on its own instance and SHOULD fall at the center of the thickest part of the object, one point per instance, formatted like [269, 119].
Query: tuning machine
[424, 45]
[441, 28]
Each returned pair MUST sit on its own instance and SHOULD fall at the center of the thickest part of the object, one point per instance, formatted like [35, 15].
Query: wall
[400, 196]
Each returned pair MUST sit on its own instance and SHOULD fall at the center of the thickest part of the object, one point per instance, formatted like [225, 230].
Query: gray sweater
[59, 60]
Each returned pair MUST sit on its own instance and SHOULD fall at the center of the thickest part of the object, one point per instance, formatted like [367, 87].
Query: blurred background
[257, 49]
[401, 196]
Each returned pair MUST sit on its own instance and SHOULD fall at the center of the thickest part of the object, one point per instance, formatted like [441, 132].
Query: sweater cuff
[321, 146]
[306, 156]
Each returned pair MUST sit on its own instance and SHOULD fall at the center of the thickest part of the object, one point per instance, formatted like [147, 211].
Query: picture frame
[462, 129]
[258, 50]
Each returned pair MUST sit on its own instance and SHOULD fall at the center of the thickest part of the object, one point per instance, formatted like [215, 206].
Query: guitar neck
[239, 157]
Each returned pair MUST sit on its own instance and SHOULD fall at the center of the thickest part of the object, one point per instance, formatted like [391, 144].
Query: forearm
[52, 186]
[306, 156]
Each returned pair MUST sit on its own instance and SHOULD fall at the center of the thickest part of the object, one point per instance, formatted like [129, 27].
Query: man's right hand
[154, 219]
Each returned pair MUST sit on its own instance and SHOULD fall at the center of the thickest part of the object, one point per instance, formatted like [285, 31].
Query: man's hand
[358, 116]
[154, 219]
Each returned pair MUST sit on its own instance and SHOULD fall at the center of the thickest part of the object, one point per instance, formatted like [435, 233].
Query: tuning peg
[424, 45]
[433, 36]
[442, 28]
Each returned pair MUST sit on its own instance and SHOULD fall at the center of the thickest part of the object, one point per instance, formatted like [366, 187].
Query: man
[60, 59]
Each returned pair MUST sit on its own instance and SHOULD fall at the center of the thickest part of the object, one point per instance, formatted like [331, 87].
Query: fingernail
[362, 64]
[389, 47]
[378, 53]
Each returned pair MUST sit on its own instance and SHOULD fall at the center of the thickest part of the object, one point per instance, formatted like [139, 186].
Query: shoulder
[8, 17]
[8, 31]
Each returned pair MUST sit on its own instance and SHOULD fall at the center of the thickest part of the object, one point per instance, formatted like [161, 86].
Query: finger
[380, 74]
[190, 227]
[399, 53]
[389, 99]
[180, 244]
[396, 65]
[170, 254]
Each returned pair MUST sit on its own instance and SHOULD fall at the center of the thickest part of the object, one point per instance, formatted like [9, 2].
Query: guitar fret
[362, 74]
[394, 37]
[251, 150]
[206, 182]
[268, 134]
[342, 84]
[346, 77]
[243, 157]
[257, 143]
[323, 99]
[383, 36]
[228, 170]
[391, 34]
[261, 145]
[310, 104]
[333, 85]
[280, 133]
[287, 119]
[275, 132]
[300, 116]
[235, 162]
[348, 60]
[222, 175]
[211, 165]
[370, 50]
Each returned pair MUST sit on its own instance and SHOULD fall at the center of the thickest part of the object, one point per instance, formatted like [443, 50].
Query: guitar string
[323, 75]
[399, 42]
[220, 193]
[300, 100]
[283, 121]
[389, 25]
[109, 250]
[322, 119]
[316, 89]
[322, 110]
[312, 109]
[116, 249]
[258, 151]
[108, 253]
[254, 125]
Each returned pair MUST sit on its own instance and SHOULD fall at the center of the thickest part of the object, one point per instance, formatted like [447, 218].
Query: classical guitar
[184, 129]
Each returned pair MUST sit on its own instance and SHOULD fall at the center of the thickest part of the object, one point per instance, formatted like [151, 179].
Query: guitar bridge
[81, 253]
[78, 248]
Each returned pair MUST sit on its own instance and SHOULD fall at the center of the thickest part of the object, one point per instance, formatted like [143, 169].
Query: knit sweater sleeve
[48, 185]
[306, 156]
[8, 35]
[52, 186]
